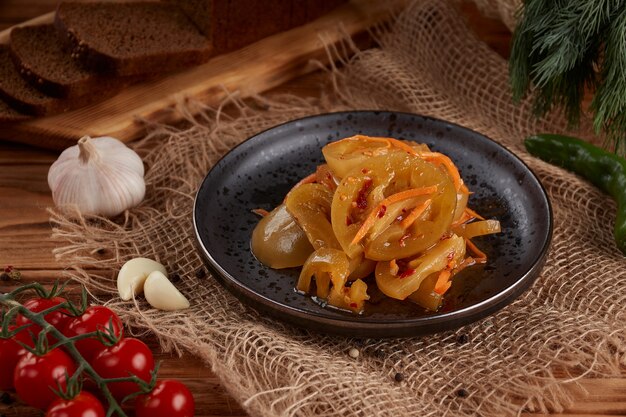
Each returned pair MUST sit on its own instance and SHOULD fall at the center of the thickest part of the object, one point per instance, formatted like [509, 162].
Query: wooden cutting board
[251, 70]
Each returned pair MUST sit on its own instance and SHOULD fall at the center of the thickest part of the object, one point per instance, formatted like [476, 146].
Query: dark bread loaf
[44, 60]
[232, 24]
[126, 38]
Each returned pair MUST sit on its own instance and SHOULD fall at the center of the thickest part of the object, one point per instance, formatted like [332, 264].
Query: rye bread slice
[22, 96]
[9, 115]
[44, 60]
[127, 38]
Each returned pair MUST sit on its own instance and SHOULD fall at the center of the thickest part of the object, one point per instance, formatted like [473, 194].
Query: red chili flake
[403, 238]
[451, 256]
[406, 273]
[365, 170]
[382, 211]
[354, 305]
[8, 269]
[361, 199]
[348, 221]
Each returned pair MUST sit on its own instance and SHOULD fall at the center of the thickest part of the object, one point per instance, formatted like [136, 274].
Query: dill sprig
[562, 48]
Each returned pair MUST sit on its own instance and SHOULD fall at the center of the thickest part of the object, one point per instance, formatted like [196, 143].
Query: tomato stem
[76, 339]
[15, 307]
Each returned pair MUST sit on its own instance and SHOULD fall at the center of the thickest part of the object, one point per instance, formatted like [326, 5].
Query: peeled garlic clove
[162, 294]
[133, 274]
[100, 176]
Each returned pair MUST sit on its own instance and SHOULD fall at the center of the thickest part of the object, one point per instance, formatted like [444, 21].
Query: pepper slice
[327, 266]
[406, 182]
[401, 286]
[309, 204]
[426, 296]
[345, 155]
[350, 298]
[605, 170]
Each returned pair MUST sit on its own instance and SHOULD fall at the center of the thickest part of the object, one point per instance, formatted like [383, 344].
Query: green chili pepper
[605, 170]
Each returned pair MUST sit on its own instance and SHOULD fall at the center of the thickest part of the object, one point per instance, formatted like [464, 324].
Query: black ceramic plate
[259, 172]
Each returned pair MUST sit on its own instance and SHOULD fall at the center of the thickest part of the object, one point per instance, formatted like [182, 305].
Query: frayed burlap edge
[529, 356]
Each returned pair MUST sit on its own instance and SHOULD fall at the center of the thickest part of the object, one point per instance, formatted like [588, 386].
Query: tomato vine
[50, 337]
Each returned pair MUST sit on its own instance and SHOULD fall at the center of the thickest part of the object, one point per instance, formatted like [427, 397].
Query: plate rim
[447, 320]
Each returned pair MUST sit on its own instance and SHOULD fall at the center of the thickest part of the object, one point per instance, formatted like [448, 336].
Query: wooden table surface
[25, 239]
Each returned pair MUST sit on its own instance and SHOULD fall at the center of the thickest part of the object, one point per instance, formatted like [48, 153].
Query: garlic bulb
[99, 176]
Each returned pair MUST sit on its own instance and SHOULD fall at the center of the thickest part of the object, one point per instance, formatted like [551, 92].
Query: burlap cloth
[528, 356]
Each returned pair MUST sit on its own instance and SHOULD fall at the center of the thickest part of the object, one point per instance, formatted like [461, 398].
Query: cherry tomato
[10, 354]
[169, 398]
[129, 356]
[57, 318]
[36, 376]
[83, 405]
[93, 319]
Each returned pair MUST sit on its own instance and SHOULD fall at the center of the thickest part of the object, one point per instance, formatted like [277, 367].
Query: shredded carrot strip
[394, 198]
[261, 212]
[481, 257]
[401, 145]
[473, 213]
[393, 267]
[447, 162]
[469, 261]
[443, 282]
[414, 214]
[309, 179]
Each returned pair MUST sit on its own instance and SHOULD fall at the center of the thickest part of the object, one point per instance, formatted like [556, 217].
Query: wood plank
[40, 20]
[595, 412]
[16, 11]
[26, 237]
[251, 70]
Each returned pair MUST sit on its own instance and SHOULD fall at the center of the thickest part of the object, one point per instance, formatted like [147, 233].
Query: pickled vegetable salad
[379, 206]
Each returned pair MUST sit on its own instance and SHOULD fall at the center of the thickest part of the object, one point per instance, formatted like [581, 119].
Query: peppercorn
[201, 273]
[398, 377]
[462, 393]
[462, 339]
[380, 353]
